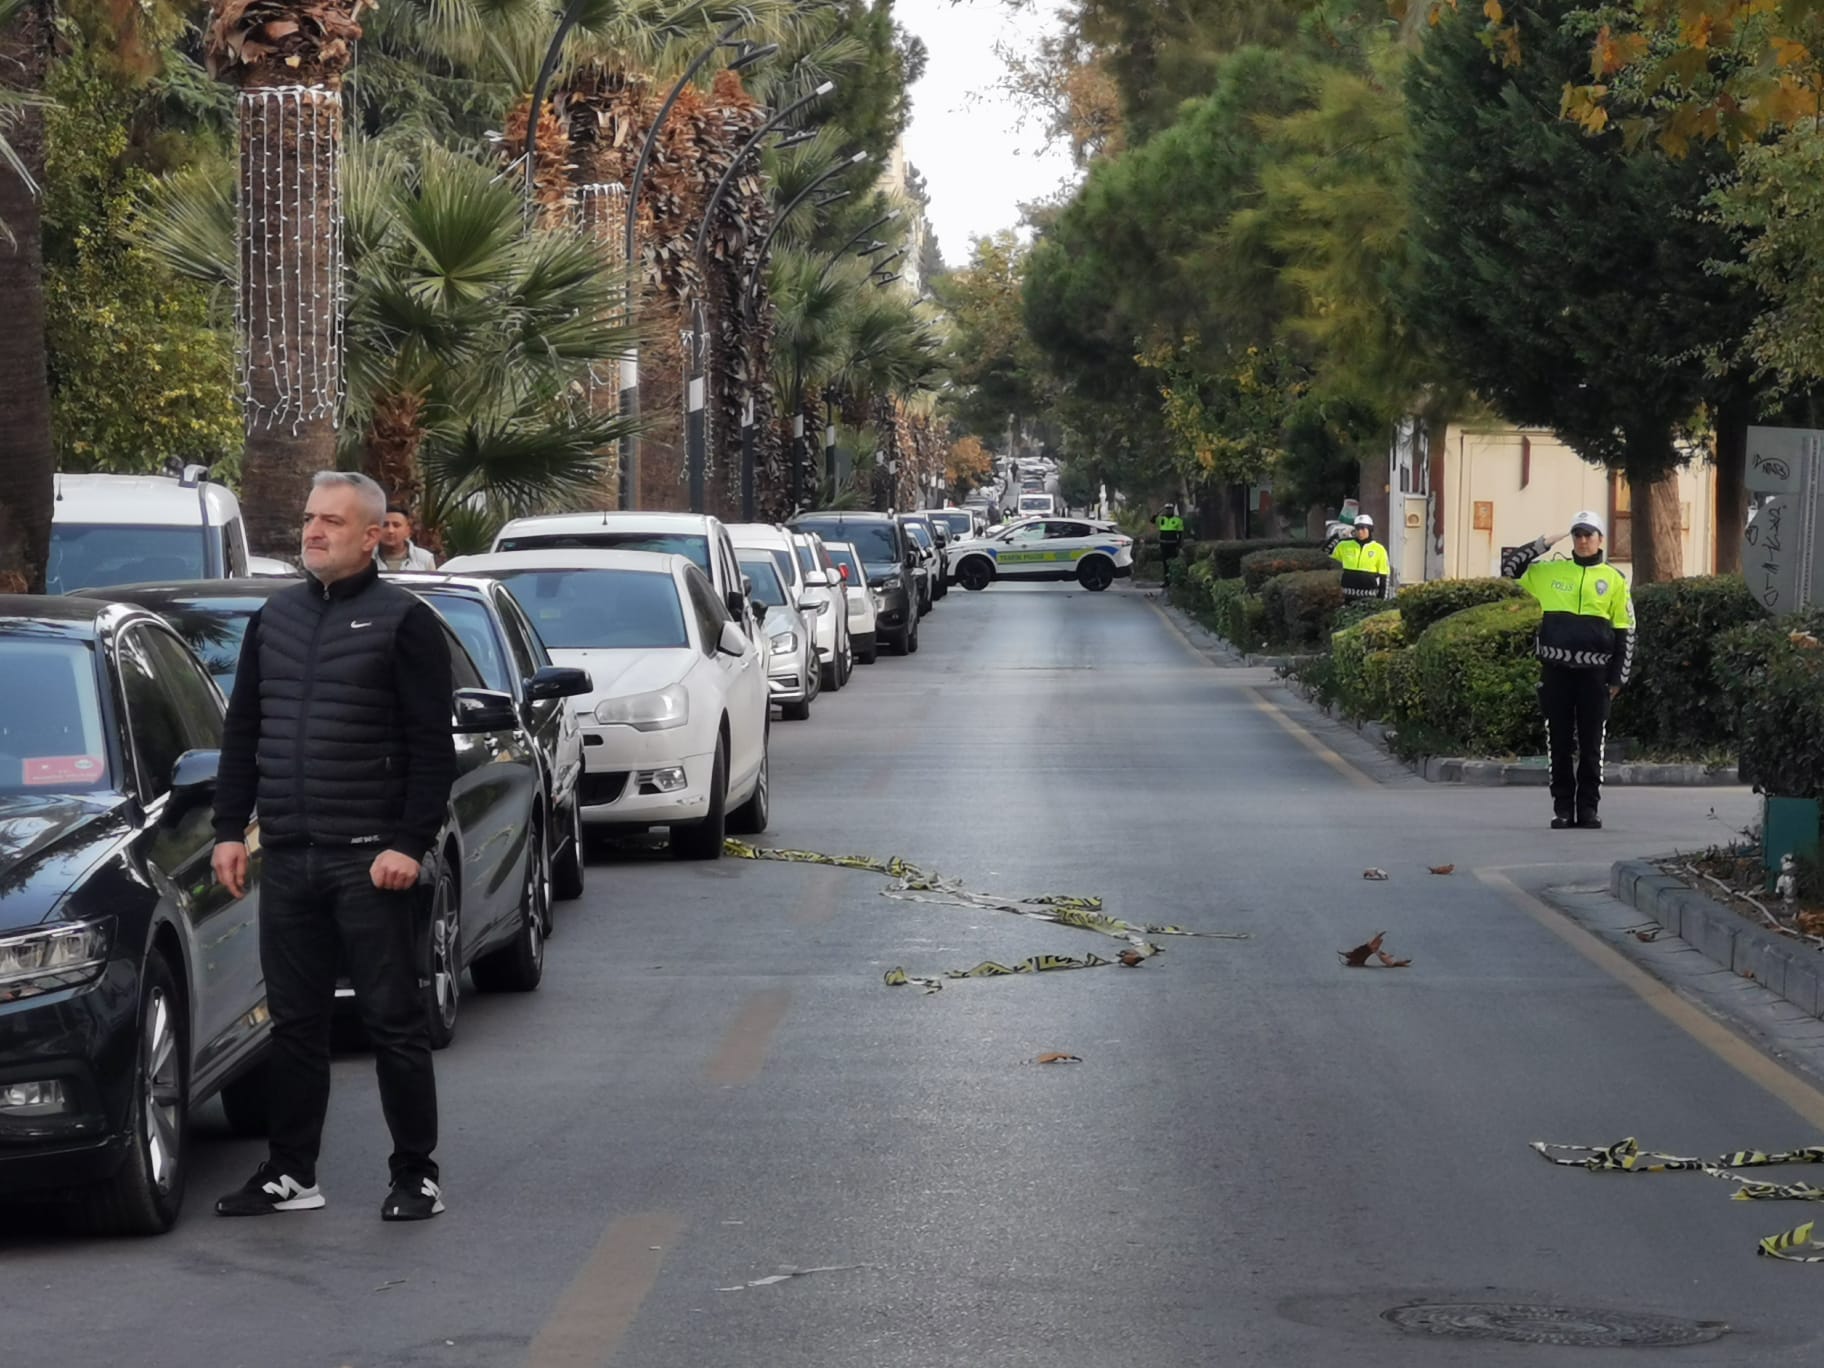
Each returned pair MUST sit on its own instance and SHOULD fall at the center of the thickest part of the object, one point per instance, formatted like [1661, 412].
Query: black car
[890, 558]
[130, 982]
[931, 560]
[489, 906]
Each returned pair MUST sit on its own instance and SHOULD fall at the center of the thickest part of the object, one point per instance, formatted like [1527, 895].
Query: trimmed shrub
[1676, 701]
[1477, 681]
[1257, 567]
[1358, 610]
[1773, 672]
[1190, 590]
[1228, 554]
[1362, 658]
[1301, 606]
[1435, 600]
[1237, 616]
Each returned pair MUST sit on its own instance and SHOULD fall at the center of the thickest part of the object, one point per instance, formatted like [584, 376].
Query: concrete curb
[1788, 969]
[1532, 772]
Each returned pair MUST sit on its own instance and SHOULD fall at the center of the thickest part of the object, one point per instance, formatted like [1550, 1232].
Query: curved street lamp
[696, 437]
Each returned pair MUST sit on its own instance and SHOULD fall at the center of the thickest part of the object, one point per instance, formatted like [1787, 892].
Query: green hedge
[1475, 681]
[1301, 606]
[1238, 616]
[1227, 554]
[1676, 699]
[1435, 600]
[1257, 567]
[1362, 657]
[1773, 673]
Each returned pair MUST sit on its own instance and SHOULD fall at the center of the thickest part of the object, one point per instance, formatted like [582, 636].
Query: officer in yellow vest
[1585, 648]
[1171, 539]
[1364, 562]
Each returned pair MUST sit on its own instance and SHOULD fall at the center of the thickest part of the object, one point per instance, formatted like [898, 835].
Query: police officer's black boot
[1562, 819]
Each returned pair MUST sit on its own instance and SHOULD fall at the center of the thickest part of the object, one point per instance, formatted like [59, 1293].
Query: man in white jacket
[396, 550]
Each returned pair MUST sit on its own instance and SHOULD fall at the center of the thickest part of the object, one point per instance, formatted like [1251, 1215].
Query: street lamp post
[630, 368]
[697, 387]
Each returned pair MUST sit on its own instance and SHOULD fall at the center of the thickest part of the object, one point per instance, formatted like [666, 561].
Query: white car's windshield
[97, 555]
[844, 558]
[959, 523]
[760, 569]
[51, 739]
[576, 610]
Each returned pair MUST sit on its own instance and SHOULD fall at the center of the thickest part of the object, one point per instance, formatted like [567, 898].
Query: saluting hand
[394, 872]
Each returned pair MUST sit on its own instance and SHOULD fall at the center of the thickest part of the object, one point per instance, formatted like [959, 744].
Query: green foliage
[1674, 701]
[141, 365]
[1226, 555]
[1358, 610]
[1257, 567]
[1238, 616]
[1423, 604]
[1301, 606]
[1362, 657]
[1773, 671]
[993, 359]
[1475, 680]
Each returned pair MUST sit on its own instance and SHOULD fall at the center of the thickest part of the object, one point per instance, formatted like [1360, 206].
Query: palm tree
[27, 461]
[470, 333]
[287, 57]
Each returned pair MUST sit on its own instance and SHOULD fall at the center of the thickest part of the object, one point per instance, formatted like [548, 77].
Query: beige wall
[1483, 465]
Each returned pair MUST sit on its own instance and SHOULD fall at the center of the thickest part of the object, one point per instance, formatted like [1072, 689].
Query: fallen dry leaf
[1376, 874]
[1443, 869]
[1357, 957]
[1390, 961]
[1647, 936]
[1058, 1057]
[1130, 957]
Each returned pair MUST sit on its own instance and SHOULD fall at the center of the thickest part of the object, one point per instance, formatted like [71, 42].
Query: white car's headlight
[660, 710]
[54, 957]
[786, 641]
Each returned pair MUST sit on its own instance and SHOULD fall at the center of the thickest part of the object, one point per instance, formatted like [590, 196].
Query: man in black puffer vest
[339, 729]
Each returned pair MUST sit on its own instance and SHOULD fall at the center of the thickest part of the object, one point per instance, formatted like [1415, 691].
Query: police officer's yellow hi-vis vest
[1368, 556]
[1170, 525]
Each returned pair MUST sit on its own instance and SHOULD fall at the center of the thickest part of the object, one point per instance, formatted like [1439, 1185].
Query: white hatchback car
[675, 730]
[864, 602]
[1094, 554]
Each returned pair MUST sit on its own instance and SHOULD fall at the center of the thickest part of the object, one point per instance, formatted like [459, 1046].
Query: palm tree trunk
[290, 302]
[27, 460]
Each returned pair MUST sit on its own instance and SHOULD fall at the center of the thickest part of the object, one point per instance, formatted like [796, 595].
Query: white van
[1037, 506]
[134, 529]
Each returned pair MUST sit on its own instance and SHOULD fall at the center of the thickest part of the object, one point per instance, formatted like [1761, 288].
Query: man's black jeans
[320, 914]
[1576, 707]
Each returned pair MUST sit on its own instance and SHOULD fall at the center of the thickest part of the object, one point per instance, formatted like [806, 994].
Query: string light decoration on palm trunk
[601, 213]
[289, 238]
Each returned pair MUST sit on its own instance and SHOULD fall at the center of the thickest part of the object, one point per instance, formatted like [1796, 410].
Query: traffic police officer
[1586, 649]
[1171, 538]
[1364, 562]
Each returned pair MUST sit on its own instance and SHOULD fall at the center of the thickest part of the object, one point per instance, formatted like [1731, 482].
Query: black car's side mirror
[558, 681]
[482, 710]
[759, 611]
[737, 603]
[192, 781]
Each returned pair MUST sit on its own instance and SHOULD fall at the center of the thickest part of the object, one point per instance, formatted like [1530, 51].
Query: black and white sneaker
[269, 1191]
[412, 1199]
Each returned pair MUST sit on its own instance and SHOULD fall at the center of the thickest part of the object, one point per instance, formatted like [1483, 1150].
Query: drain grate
[1579, 1327]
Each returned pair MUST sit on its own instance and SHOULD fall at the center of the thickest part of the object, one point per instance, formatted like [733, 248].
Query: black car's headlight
[48, 958]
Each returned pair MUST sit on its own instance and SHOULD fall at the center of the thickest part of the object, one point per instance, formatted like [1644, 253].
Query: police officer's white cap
[1590, 518]
[1364, 520]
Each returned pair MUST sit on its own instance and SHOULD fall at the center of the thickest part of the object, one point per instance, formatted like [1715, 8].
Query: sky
[978, 166]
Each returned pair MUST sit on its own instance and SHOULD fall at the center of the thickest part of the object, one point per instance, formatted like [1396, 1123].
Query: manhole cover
[1574, 1326]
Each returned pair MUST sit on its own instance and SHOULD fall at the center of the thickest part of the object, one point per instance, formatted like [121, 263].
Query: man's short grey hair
[373, 498]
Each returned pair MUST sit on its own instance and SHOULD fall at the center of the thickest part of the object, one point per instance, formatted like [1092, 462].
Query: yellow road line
[1311, 743]
[586, 1326]
[1739, 1054]
[744, 1047]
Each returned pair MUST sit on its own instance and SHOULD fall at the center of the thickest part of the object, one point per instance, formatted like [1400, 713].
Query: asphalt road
[1260, 1153]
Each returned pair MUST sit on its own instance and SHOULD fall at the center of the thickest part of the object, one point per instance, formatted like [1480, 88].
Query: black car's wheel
[848, 657]
[518, 966]
[1095, 573]
[750, 818]
[703, 840]
[567, 868]
[143, 1198]
[869, 653]
[443, 987]
[831, 675]
[246, 1100]
[796, 712]
[975, 573]
[912, 639]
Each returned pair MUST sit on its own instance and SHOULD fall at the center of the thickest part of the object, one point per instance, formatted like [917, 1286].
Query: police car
[1094, 554]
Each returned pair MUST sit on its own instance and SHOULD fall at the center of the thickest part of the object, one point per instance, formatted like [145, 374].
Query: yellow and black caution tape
[1626, 1156]
[913, 884]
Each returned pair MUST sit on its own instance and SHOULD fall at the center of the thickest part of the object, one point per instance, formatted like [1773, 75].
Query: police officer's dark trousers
[321, 915]
[1576, 707]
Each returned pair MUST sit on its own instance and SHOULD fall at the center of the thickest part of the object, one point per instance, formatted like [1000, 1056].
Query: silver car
[792, 676]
